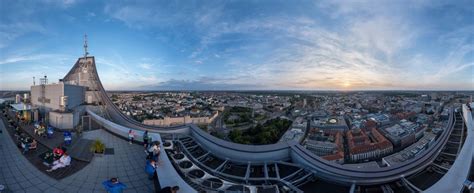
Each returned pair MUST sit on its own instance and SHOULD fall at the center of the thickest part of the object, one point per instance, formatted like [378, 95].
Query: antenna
[44, 81]
[34, 82]
[85, 46]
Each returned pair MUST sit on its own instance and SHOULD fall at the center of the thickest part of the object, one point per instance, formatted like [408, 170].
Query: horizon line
[273, 90]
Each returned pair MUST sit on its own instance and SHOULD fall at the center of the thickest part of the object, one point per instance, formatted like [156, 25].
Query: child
[131, 135]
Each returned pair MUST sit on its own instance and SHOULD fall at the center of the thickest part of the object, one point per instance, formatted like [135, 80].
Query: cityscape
[236, 97]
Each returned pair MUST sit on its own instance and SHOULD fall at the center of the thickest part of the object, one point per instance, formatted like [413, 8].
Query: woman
[156, 151]
[131, 135]
[58, 152]
[64, 161]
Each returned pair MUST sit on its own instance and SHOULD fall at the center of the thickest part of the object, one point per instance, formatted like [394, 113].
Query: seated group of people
[25, 142]
[61, 159]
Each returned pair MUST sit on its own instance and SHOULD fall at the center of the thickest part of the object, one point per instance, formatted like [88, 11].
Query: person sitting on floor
[40, 131]
[58, 152]
[25, 144]
[33, 144]
[17, 131]
[168, 189]
[114, 186]
[64, 161]
[29, 146]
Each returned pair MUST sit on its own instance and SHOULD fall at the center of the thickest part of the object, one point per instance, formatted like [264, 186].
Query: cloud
[33, 58]
[120, 74]
[21, 18]
[454, 63]
[17, 71]
[310, 51]
[204, 83]
[309, 45]
[64, 4]
[146, 14]
[11, 31]
[385, 35]
[15, 59]
[146, 66]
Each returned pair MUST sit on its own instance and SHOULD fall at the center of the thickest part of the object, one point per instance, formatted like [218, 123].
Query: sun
[346, 84]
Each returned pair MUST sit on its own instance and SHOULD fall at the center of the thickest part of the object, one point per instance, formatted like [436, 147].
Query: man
[149, 142]
[168, 189]
[64, 161]
[145, 139]
[114, 186]
[150, 169]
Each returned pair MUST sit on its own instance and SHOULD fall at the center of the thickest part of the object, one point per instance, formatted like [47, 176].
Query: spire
[85, 46]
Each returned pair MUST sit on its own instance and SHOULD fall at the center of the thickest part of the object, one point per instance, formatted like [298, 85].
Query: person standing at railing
[148, 150]
[149, 142]
[131, 135]
[156, 152]
[145, 139]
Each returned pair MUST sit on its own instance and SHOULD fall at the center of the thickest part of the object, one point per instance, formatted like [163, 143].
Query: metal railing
[222, 185]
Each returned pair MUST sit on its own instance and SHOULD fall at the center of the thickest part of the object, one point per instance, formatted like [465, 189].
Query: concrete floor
[17, 174]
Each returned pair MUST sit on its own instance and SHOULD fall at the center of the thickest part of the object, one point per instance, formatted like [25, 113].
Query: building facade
[168, 121]
[49, 97]
[367, 146]
[56, 103]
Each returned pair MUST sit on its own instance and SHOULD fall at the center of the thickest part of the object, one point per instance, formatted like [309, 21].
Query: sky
[242, 45]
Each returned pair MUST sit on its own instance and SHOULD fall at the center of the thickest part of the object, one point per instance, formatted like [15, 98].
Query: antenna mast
[85, 46]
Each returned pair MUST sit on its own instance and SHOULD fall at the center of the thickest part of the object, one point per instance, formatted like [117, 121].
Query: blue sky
[243, 44]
